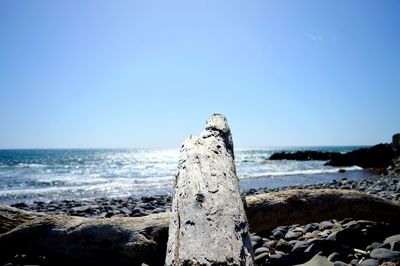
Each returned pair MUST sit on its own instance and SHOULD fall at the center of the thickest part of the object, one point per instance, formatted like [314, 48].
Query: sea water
[44, 175]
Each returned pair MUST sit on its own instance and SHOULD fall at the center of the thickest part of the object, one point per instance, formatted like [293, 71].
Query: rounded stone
[260, 258]
[373, 245]
[255, 238]
[370, 262]
[260, 250]
[326, 224]
[293, 235]
[269, 244]
[340, 263]
[284, 246]
[334, 257]
[300, 246]
[310, 228]
[384, 253]
[278, 235]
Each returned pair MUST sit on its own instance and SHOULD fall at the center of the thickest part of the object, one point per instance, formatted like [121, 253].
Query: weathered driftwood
[266, 211]
[11, 217]
[208, 224]
[68, 239]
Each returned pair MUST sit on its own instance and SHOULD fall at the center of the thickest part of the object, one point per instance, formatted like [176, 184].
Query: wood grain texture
[208, 224]
[301, 206]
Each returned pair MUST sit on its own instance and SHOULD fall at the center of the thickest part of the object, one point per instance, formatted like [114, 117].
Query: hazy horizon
[148, 74]
[177, 148]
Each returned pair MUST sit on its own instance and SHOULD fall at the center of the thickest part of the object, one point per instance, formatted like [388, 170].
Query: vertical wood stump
[208, 225]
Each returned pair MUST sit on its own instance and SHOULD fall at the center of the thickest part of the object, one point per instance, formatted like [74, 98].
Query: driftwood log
[134, 240]
[208, 223]
[68, 240]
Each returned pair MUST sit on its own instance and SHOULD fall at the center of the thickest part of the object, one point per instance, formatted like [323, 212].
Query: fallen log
[67, 240]
[208, 223]
[70, 239]
[269, 210]
[12, 217]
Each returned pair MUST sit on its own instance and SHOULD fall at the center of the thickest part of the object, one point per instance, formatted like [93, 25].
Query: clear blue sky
[149, 73]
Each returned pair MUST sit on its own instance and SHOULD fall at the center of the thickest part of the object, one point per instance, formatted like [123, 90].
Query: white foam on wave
[115, 187]
[30, 165]
[299, 172]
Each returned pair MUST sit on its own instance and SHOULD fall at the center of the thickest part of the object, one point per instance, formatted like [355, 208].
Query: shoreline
[246, 184]
[387, 187]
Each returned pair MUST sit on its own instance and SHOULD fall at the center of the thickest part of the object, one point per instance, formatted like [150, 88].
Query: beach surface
[328, 242]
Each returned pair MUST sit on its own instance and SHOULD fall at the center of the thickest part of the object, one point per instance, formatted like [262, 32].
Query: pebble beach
[329, 242]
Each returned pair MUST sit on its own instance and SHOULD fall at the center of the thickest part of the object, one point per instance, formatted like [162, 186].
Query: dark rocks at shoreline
[379, 157]
[395, 167]
[304, 156]
[376, 157]
[396, 143]
[102, 207]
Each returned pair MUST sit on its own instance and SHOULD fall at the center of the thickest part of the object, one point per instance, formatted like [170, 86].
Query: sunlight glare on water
[27, 175]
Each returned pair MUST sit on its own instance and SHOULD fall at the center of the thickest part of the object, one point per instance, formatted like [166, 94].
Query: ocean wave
[30, 165]
[117, 188]
[299, 172]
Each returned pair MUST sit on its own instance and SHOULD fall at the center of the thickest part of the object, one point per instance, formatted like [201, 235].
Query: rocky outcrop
[395, 169]
[377, 157]
[396, 143]
[304, 155]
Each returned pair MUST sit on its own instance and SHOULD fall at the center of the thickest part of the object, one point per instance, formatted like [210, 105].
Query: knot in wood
[199, 197]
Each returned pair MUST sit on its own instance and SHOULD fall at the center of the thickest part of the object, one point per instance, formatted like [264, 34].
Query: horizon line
[167, 148]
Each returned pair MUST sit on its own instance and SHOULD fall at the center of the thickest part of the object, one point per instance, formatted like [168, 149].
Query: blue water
[29, 175]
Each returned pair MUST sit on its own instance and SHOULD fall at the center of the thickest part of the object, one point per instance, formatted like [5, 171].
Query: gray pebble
[260, 258]
[383, 253]
[269, 244]
[340, 263]
[370, 262]
[260, 250]
[334, 257]
[300, 246]
[293, 235]
[326, 224]
[278, 235]
[283, 246]
[158, 210]
[310, 228]
[373, 245]
[125, 211]
[255, 238]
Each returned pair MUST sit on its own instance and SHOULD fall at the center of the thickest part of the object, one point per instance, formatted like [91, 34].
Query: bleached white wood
[208, 223]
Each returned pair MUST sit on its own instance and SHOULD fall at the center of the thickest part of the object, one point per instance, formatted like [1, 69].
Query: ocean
[45, 175]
